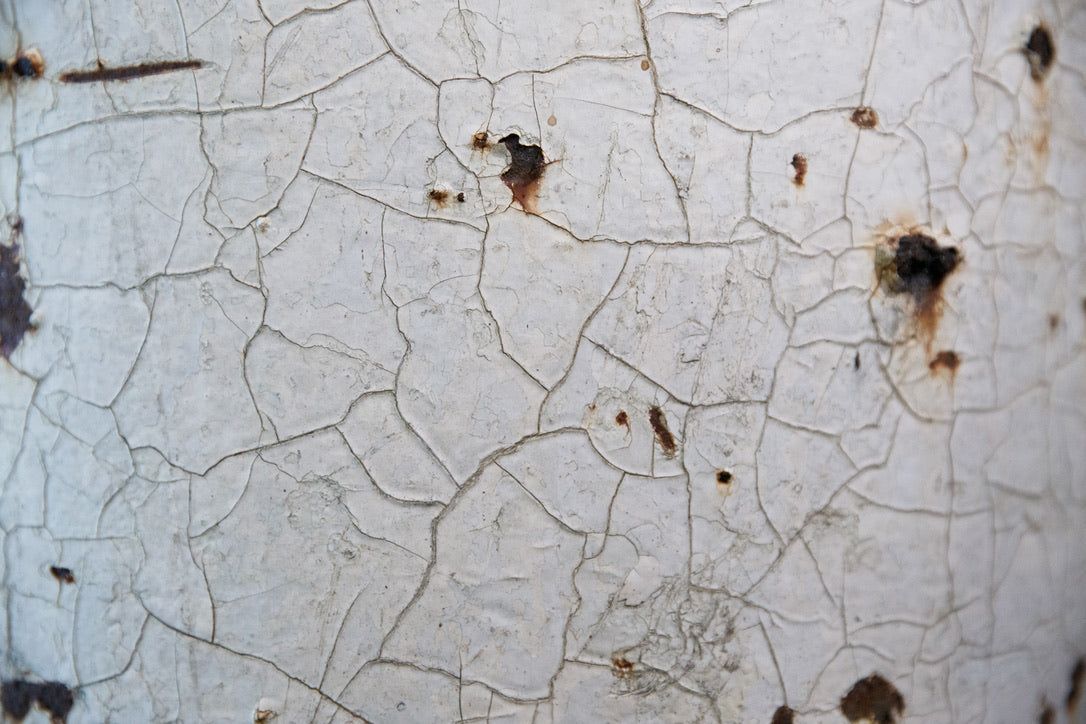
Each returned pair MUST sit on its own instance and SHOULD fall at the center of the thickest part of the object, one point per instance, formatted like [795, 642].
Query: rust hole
[28, 64]
[660, 429]
[18, 696]
[799, 163]
[14, 310]
[723, 477]
[1040, 52]
[460, 198]
[865, 117]
[525, 170]
[128, 72]
[783, 715]
[874, 699]
[63, 575]
[919, 267]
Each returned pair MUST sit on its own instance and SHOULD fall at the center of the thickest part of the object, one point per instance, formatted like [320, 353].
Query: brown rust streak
[129, 72]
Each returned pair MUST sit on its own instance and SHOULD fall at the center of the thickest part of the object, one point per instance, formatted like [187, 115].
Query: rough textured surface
[548, 361]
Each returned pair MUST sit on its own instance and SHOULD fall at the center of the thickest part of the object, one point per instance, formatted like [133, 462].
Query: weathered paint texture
[543, 361]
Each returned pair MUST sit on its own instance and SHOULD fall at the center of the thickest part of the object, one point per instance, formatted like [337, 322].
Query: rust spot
[28, 64]
[525, 170]
[438, 196]
[723, 477]
[552, 121]
[874, 699]
[19, 695]
[644, 65]
[659, 428]
[63, 575]
[460, 198]
[783, 715]
[128, 72]
[946, 360]
[856, 361]
[1053, 322]
[1048, 715]
[621, 664]
[918, 268]
[623, 419]
[865, 117]
[480, 140]
[263, 716]
[1078, 675]
[1040, 52]
[14, 311]
[799, 163]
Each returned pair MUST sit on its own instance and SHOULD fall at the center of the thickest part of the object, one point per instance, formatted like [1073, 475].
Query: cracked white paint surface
[327, 427]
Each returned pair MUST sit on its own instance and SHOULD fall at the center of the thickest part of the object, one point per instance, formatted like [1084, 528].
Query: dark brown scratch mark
[128, 72]
[663, 435]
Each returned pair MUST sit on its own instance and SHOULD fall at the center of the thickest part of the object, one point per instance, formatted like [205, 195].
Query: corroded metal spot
[799, 163]
[1040, 52]
[783, 715]
[723, 477]
[438, 196]
[28, 64]
[917, 268]
[14, 311]
[660, 429]
[525, 170]
[480, 140]
[873, 699]
[63, 575]
[1078, 676]
[18, 696]
[865, 117]
[947, 360]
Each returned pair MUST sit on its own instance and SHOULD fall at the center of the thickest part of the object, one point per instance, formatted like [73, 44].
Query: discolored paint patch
[14, 310]
[63, 575]
[865, 117]
[17, 696]
[128, 72]
[873, 699]
[799, 163]
[947, 360]
[783, 715]
[1040, 52]
[524, 172]
[1074, 694]
[660, 429]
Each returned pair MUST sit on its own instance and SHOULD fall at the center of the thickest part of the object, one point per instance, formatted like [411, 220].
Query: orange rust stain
[799, 163]
[918, 268]
[946, 360]
[623, 419]
[865, 117]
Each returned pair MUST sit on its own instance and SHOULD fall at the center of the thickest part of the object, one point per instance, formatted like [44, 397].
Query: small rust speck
[63, 575]
[799, 163]
[552, 121]
[262, 716]
[644, 65]
[129, 72]
[663, 434]
[525, 170]
[783, 715]
[723, 477]
[1078, 675]
[1048, 715]
[14, 311]
[480, 140]
[622, 419]
[622, 664]
[1040, 52]
[946, 360]
[1053, 322]
[874, 699]
[460, 198]
[865, 117]
[438, 196]
[856, 361]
